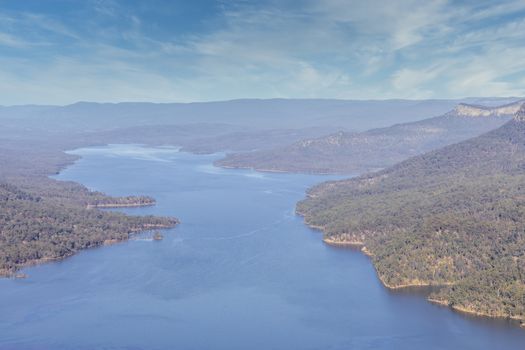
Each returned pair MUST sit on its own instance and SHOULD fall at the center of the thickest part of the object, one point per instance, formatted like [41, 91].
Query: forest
[454, 218]
[42, 219]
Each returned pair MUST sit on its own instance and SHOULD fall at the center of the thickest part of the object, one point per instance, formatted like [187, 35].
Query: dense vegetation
[42, 219]
[452, 217]
[35, 229]
[352, 153]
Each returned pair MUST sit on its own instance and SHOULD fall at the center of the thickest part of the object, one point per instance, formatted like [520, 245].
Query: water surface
[240, 272]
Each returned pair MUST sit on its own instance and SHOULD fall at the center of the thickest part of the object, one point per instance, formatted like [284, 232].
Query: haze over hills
[238, 125]
[351, 152]
[252, 114]
[451, 217]
[210, 126]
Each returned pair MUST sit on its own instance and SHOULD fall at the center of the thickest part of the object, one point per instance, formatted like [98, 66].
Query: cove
[241, 271]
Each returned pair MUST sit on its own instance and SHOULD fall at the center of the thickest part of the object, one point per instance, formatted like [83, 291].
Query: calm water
[240, 272]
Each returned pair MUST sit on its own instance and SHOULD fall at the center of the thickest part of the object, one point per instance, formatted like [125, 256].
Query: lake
[241, 271]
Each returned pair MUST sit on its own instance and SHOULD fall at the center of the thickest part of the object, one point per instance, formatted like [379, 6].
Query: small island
[157, 236]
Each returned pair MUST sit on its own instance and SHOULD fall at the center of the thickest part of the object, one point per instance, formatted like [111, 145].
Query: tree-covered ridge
[352, 152]
[453, 217]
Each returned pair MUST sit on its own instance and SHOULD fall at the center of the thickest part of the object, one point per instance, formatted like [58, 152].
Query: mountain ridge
[353, 152]
[452, 217]
[472, 110]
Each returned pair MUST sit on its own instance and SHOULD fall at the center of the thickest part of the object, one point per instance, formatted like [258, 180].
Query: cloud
[114, 51]
[395, 24]
[11, 41]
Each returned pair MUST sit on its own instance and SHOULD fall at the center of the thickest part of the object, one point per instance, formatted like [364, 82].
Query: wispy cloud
[172, 51]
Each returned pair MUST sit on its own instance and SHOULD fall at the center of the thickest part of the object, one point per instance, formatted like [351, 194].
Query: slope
[453, 217]
[375, 149]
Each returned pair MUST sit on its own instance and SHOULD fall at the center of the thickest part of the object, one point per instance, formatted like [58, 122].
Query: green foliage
[42, 219]
[451, 216]
[36, 229]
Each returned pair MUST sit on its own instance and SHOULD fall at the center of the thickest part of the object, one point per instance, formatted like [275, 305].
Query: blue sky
[62, 51]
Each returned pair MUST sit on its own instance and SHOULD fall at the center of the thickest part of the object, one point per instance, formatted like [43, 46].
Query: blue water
[240, 272]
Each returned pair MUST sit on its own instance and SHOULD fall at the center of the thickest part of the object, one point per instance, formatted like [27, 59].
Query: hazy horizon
[497, 99]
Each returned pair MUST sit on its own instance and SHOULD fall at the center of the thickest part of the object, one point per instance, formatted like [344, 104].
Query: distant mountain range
[453, 217]
[250, 114]
[347, 152]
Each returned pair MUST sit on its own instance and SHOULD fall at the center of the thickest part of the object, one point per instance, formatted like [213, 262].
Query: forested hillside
[453, 217]
[347, 152]
[42, 219]
[37, 229]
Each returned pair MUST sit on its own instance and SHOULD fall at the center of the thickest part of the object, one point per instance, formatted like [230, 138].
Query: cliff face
[520, 115]
[466, 110]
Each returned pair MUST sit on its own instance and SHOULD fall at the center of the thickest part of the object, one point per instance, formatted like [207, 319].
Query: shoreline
[336, 243]
[345, 173]
[472, 312]
[277, 171]
[120, 205]
[16, 274]
[360, 246]
[415, 284]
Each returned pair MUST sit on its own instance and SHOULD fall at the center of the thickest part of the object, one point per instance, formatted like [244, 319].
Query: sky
[64, 51]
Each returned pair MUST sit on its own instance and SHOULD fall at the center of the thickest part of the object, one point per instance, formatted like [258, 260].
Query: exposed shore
[16, 274]
[471, 311]
[360, 244]
[355, 244]
[124, 202]
[303, 170]
[415, 283]
[120, 205]
[277, 171]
